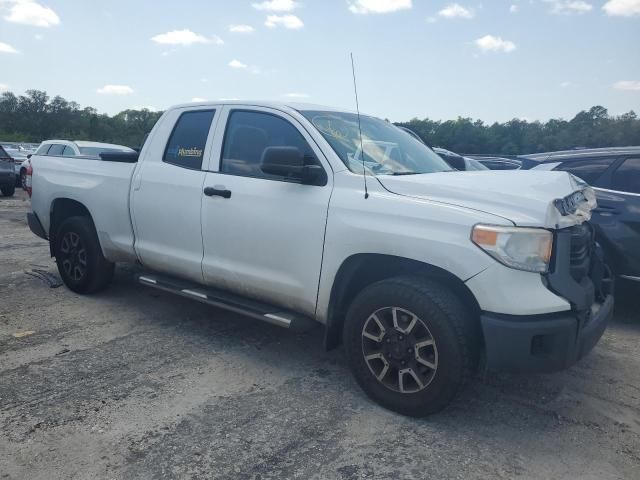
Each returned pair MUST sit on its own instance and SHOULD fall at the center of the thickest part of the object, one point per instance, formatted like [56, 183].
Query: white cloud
[38, 36]
[296, 95]
[237, 64]
[6, 48]
[115, 90]
[276, 5]
[378, 6]
[3, 87]
[513, 8]
[490, 43]
[622, 8]
[184, 38]
[287, 21]
[240, 28]
[455, 10]
[199, 99]
[569, 7]
[28, 12]
[565, 84]
[628, 85]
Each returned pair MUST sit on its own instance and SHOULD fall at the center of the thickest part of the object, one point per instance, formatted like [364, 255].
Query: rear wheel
[8, 191]
[79, 257]
[410, 344]
[23, 178]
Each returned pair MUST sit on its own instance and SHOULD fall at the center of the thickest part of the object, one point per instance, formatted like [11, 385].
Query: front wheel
[410, 344]
[23, 179]
[79, 257]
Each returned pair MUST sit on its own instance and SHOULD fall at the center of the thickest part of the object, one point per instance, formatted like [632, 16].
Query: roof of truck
[300, 106]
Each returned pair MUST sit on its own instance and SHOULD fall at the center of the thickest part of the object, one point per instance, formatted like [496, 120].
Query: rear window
[3, 154]
[185, 147]
[627, 177]
[588, 170]
[43, 149]
[56, 149]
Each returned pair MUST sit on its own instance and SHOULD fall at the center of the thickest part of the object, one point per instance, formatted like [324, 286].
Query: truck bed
[102, 186]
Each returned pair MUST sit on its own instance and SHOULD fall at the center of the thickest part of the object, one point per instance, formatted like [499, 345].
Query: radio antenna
[355, 90]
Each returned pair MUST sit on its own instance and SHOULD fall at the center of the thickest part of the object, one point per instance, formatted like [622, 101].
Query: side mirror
[29, 156]
[289, 162]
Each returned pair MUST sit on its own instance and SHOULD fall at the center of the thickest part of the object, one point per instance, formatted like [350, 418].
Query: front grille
[582, 246]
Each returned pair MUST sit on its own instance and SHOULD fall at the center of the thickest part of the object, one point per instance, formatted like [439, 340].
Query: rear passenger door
[265, 238]
[166, 195]
[618, 215]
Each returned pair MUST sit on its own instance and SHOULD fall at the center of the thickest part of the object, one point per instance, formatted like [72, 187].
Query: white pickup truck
[423, 273]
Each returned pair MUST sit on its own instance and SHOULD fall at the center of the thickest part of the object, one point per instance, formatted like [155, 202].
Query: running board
[225, 300]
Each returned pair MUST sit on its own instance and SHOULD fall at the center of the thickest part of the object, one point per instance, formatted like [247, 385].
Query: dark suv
[615, 175]
[7, 174]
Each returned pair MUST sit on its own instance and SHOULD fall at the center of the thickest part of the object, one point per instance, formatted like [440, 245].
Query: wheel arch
[361, 270]
[61, 209]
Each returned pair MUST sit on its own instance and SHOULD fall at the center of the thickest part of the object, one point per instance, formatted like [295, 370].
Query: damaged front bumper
[555, 341]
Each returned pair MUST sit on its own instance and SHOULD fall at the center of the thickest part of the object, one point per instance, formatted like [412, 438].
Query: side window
[247, 136]
[56, 149]
[627, 177]
[43, 149]
[588, 170]
[68, 152]
[185, 147]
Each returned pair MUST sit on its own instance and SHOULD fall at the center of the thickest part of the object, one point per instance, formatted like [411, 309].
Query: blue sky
[487, 59]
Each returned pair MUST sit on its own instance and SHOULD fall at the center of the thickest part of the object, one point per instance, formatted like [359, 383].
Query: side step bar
[227, 301]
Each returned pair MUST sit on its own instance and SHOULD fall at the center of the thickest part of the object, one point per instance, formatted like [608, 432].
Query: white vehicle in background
[263, 209]
[68, 148]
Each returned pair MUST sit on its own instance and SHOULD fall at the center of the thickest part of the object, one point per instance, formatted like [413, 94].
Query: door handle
[220, 192]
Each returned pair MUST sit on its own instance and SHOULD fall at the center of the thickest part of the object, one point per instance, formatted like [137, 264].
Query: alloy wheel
[74, 256]
[399, 349]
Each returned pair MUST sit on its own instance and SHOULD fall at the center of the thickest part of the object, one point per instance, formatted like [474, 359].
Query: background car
[78, 148]
[458, 161]
[615, 175]
[453, 159]
[7, 174]
[18, 156]
[498, 163]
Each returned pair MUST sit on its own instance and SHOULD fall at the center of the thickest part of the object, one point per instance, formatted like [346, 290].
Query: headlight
[526, 249]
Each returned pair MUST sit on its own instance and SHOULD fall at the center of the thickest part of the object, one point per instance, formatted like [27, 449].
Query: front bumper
[543, 343]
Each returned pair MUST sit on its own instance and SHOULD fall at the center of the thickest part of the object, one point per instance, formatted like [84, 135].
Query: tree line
[35, 116]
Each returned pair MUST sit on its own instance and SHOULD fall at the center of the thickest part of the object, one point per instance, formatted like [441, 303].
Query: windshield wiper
[405, 173]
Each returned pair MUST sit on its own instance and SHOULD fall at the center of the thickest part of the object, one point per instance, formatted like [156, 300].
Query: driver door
[263, 235]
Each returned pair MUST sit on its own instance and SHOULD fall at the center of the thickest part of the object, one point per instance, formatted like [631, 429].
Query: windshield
[387, 149]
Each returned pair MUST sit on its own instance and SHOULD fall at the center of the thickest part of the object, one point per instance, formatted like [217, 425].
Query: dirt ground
[133, 383]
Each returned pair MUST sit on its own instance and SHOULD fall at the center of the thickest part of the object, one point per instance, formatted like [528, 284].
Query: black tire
[449, 324]
[79, 257]
[8, 191]
[23, 179]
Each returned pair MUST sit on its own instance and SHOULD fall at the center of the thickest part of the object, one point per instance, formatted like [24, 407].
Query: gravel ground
[134, 383]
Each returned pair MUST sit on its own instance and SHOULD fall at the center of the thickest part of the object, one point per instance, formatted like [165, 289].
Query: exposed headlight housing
[527, 249]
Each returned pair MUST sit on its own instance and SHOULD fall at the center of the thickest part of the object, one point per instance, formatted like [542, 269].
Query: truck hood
[527, 198]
